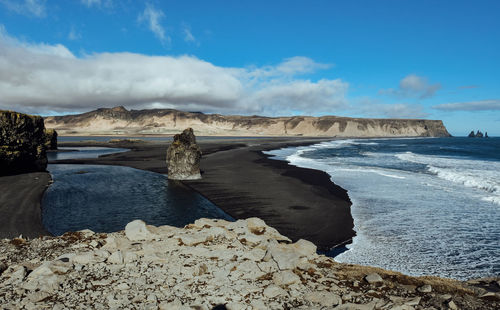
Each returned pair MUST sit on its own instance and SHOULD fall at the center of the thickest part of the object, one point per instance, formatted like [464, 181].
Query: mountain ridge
[120, 121]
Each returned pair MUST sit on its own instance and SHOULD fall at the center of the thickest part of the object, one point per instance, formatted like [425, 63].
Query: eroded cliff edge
[167, 121]
[242, 265]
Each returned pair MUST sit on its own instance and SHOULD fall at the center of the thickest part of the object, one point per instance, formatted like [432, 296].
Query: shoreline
[243, 182]
[21, 204]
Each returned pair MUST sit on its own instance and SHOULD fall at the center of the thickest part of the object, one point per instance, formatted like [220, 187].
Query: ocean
[421, 206]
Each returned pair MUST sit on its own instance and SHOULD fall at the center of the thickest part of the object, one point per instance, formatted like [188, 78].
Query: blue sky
[403, 59]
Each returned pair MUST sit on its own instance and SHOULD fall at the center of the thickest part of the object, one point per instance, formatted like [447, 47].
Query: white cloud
[27, 7]
[481, 105]
[188, 35]
[153, 17]
[74, 35]
[281, 98]
[97, 3]
[413, 86]
[293, 66]
[41, 78]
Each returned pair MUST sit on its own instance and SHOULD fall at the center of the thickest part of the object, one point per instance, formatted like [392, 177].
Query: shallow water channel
[105, 198]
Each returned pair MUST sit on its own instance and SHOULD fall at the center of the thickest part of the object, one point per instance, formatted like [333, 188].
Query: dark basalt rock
[486, 134]
[479, 134]
[50, 139]
[22, 143]
[183, 157]
[472, 134]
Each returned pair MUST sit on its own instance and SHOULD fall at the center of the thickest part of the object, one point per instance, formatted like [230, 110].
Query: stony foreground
[242, 265]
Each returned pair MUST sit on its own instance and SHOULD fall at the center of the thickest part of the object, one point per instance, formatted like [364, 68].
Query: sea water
[105, 198]
[426, 206]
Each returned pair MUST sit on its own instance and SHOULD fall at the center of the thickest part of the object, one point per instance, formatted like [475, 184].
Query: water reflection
[106, 198]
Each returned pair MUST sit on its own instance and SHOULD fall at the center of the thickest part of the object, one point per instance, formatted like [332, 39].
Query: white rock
[116, 258]
[304, 248]
[43, 278]
[374, 278]
[138, 231]
[284, 254]
[258, 304]
[87, 233]
[193, 239]
[324, 298]
[82, 259]
[236, 306]
[129, 257]
[272, 291]
[122, 286]
[425, 288]
[452, 305]
[286, 277]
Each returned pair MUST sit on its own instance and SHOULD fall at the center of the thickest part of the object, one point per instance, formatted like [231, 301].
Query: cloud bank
[481, 105]
[43, 78]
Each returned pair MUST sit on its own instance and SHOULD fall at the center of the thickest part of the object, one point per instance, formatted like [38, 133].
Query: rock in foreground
[183, 157]
[22, 143]
[242, 265]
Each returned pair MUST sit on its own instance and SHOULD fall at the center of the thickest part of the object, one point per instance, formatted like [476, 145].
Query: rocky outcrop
[183, 157]
[241, 265]
[478, 134]
[167, 121]
[50, 139]
[22, 143]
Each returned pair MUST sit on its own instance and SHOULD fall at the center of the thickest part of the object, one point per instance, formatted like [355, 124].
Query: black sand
[20, 211]
[242, 181]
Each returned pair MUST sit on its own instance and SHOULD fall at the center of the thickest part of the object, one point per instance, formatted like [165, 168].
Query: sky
[384, 59]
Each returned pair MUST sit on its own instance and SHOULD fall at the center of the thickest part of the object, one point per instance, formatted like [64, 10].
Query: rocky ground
[211, 264]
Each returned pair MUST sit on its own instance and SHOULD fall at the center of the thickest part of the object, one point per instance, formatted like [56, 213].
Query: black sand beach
[20, 211]
[242, 181]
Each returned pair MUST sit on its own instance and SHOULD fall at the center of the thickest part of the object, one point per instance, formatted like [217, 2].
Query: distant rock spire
[472, 134]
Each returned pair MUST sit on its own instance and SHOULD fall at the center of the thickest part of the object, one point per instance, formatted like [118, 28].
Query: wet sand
[20, 211]
[242, 181]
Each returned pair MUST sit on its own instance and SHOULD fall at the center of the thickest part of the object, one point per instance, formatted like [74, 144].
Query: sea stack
[472, 134]
[183, 157]
[50, 139]
[22, 143]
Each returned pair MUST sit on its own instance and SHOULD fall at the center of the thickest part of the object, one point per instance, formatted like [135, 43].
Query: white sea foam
[479, 174]
[426, 214]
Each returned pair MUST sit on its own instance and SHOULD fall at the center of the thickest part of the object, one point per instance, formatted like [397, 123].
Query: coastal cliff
[22, 143]
[167, 121]
[232, 265]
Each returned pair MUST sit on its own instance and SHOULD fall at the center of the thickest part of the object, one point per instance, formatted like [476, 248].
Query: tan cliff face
[167, 121]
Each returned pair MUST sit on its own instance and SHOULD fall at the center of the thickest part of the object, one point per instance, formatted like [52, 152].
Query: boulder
[183, 157]
[22, 143]
[50, 139]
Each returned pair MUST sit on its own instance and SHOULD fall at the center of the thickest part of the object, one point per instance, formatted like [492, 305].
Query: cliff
[22, 143]
[211, 263]
[167, 121]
